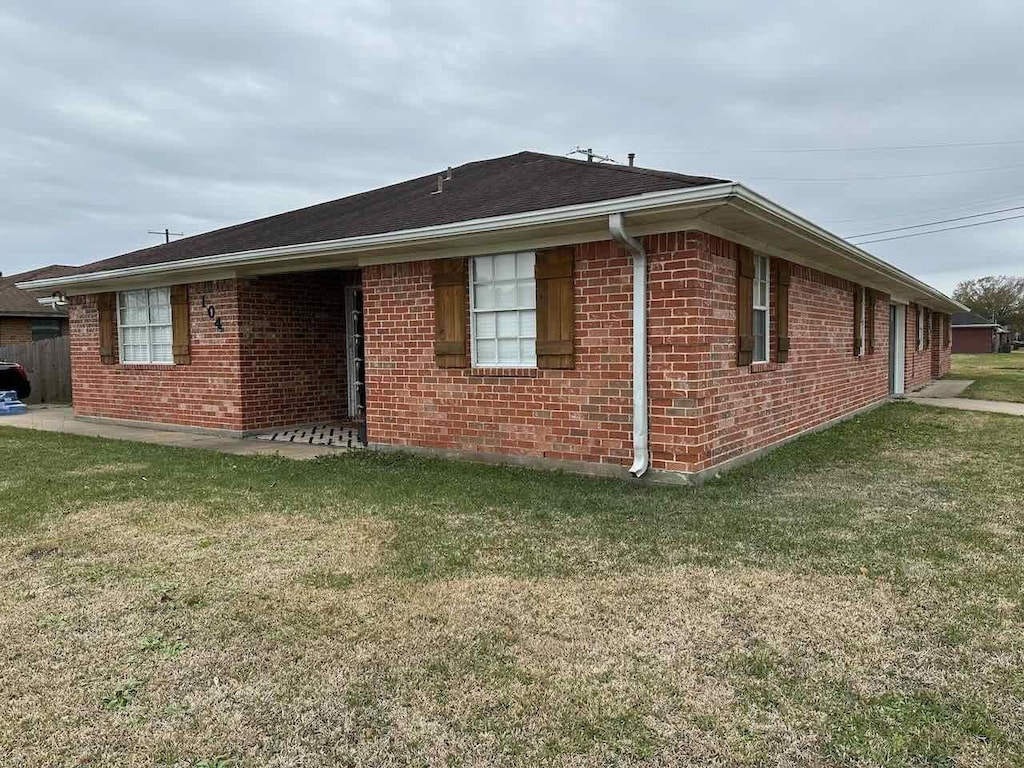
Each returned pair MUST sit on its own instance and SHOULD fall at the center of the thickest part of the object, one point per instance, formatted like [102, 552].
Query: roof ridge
[513, 183]
[635, 169]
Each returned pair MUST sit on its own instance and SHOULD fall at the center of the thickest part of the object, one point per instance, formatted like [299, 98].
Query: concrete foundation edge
[171, 427]
[592, 469]
[620, 471]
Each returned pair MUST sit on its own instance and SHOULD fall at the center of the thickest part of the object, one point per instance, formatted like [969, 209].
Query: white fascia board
[422, 235]
[810, 230]
[370, 248]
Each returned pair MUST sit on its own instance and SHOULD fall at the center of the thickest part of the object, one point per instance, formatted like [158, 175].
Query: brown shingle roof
[526, 181]
[14, 302]
[970, 318]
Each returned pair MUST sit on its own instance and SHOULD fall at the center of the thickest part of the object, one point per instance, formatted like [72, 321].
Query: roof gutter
[839, 244]
[732, 194]
[641, 453]
[569, 213]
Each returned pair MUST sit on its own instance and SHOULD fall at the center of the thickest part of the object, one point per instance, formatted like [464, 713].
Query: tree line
[997, 298]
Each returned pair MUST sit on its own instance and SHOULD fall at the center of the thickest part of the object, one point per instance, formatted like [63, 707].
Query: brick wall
[15, 330]
[704, 409]
[919, 361]
[293, 349]
[206, 393]
[940, 352]
[582, 414]
[743, 408]
[279, 361]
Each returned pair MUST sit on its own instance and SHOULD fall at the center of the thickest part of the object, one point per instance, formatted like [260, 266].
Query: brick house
[22, 318]
[529, 308]
[975, 334]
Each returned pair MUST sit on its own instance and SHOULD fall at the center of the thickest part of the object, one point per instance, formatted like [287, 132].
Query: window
[920, 328]
[862, 323]
[503, 310]
[144, 326]
[761, 295]
[46, 328]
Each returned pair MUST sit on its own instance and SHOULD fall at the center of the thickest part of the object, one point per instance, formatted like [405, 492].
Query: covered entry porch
[302, 357]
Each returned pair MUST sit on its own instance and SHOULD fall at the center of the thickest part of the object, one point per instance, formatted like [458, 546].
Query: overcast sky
[121, 117]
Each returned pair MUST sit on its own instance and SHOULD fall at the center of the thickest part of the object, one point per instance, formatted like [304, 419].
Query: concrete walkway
[945, 394]
[963, 404]
[943, 388]
[62, 419]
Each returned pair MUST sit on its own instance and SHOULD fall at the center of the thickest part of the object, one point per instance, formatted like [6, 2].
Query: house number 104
[211, 312]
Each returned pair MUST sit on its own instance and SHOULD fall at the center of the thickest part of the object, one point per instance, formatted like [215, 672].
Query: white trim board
[730, 205]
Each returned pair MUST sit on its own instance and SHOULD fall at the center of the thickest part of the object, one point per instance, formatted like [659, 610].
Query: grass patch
[996, 376]
[855, 597]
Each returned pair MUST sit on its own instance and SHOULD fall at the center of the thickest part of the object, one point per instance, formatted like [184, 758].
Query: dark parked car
[13, 376]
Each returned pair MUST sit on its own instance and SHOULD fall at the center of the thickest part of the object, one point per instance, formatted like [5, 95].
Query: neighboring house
[22, 318]
[976, 334]
[527, 308]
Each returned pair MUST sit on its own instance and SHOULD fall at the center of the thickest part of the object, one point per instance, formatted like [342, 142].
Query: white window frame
[766, 308]
[920, 328]
[122, 300]
[863, 320]
[519, 309]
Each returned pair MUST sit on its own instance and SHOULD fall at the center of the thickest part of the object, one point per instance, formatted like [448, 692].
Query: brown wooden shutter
[106, 307]
[869, 320]
[179, 325]
[556, 310]
[858, 309]
[744, 306]
[450, 321]
[782, 279]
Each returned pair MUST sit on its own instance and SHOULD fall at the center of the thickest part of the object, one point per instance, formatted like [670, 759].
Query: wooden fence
[48, 365]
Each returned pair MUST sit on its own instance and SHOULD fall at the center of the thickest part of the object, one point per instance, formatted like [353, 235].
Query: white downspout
[641, 455]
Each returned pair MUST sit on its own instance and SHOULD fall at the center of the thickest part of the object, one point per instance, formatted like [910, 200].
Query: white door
[897, 348]
[355, 352]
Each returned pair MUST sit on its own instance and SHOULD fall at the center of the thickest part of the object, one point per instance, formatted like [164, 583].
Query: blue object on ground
[10, 404]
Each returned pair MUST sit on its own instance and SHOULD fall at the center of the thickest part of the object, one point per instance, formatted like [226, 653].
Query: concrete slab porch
[62, 419]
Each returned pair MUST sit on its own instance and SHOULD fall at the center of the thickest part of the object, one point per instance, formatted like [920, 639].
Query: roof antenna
[167, 234]
[591, 155]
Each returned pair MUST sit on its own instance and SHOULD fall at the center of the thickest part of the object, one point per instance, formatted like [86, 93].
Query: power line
[920, 211]
[899, 148]
[893, 148]
[944, 229]
[896, 176]
[932, 223]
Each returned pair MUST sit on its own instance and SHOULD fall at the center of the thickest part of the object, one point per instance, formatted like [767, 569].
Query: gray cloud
[121, 117]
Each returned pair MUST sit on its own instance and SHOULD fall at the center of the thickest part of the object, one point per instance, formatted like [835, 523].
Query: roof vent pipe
[632, 157]
[641, 454]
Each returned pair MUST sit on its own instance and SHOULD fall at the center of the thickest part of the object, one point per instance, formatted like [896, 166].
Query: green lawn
[855, 598]
[996, 376]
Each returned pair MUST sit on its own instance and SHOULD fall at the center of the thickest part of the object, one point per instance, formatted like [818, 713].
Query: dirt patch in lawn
[159, 635]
